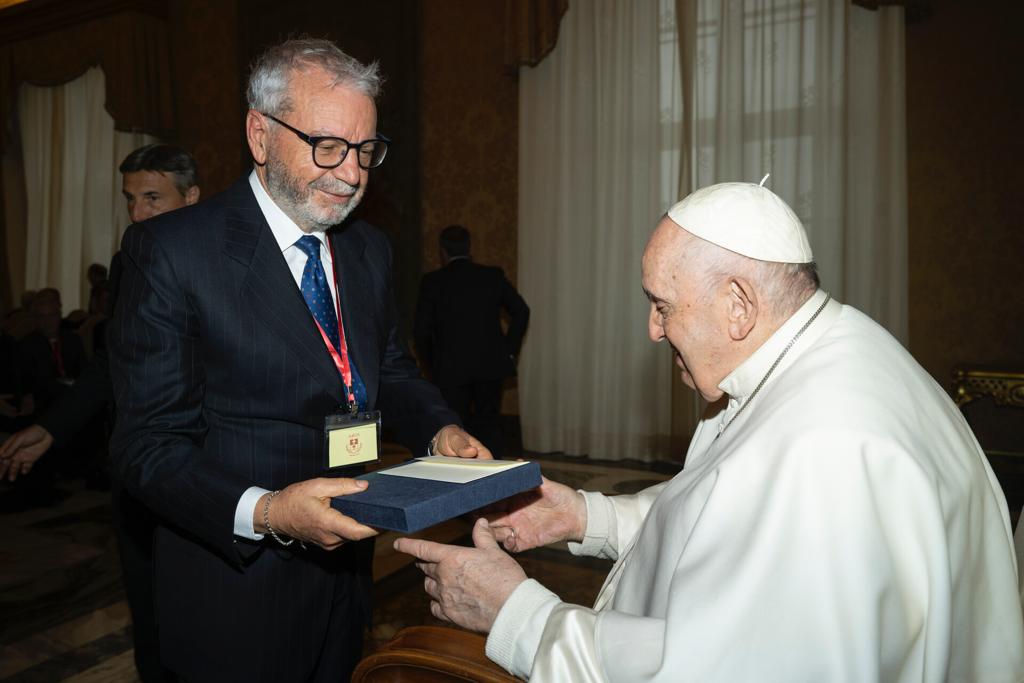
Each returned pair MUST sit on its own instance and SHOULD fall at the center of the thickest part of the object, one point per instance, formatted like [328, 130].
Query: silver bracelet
[266, 520]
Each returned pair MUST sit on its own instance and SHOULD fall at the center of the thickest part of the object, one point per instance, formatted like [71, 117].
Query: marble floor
[63, 615]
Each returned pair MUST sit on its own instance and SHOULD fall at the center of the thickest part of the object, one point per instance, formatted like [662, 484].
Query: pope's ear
[743, 308]
[256, 135]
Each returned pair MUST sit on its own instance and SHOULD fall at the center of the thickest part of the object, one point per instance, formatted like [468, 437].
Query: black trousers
[134, 524]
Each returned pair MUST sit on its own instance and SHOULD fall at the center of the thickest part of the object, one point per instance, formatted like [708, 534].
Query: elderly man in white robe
[835, 519]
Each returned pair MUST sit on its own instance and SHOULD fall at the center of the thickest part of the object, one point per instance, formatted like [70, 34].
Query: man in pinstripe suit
[223, 381]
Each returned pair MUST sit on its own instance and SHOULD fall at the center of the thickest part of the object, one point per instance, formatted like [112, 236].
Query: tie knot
[310, 245]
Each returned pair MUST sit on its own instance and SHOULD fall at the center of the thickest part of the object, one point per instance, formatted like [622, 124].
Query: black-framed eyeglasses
[330, 152]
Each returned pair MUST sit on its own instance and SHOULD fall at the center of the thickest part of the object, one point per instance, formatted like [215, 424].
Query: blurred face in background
[151, 193]
[46, 309]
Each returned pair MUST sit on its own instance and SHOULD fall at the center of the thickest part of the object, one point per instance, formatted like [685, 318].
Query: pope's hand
[467, 586]
[21, 450]
[303, 511]
[454, 441]
[548, 514]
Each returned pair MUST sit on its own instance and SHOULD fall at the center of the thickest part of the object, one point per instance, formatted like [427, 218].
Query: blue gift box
[409, 504]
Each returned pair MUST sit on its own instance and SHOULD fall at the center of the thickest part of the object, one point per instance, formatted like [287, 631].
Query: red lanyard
[58, 358]
[340, 359]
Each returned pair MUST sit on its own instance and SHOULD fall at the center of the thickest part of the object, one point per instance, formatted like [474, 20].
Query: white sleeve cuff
[244, 511]
[515, 635]
[596, 542]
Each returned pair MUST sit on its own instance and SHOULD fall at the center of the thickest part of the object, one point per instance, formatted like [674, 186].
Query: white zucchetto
[745, 218]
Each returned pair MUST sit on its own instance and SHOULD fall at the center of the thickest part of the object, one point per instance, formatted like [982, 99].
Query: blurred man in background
[459, 336]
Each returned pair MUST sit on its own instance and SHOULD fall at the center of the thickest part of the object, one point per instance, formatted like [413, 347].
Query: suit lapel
[269, 286]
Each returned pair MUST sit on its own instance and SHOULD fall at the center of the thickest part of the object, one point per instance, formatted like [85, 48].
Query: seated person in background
[16, 406]
[53, 356]
[459, 337]
[835, 519]
[92, 331]
[74, 319]
[95, 274]
[19, 323]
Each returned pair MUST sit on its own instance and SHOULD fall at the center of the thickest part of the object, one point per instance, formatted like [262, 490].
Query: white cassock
[846, 527]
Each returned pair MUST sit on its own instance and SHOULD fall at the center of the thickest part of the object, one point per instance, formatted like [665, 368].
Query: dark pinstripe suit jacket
[222, 382]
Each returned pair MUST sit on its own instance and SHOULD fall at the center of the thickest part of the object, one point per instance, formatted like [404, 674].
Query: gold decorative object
[1005, 388]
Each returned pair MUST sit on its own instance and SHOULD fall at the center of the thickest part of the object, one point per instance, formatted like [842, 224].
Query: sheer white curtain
[599, 130]
[812, 91]
[75, 213]
[809, 90]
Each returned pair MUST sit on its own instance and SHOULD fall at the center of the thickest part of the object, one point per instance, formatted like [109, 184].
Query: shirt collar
[285, 231]
[742, 381]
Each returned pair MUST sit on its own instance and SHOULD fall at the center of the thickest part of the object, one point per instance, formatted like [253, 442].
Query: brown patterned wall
[964, 149]
[208, 84]
[469, 118]
[469, 134]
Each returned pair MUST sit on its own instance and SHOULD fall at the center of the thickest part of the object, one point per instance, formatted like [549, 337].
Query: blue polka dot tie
[317, 294]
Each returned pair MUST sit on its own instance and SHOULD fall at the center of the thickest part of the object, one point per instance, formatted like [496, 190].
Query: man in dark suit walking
[242, 324]
[459, 335]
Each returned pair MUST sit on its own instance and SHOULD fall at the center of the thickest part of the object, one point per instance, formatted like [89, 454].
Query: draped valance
[531, 30]
[49, 42]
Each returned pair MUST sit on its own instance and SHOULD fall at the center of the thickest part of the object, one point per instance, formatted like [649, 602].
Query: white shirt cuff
[599, 516]
[515, 635]
[244, 511]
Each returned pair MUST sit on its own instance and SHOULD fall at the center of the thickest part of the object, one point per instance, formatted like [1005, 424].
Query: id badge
[352, 438]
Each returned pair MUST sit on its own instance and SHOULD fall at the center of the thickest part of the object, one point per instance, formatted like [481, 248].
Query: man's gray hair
[783, 286]
[270, 78]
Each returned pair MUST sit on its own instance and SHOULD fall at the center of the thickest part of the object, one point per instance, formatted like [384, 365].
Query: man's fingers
[482, 452]
[346, 528]
[302, 511]
[33, 441]
[10, 446]
[483, 537]
[329, 487]
[505, 536]
[427, 551]
[14, 468]
[428, 569]
[435, 609]
[460, 444]
[454, 440]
